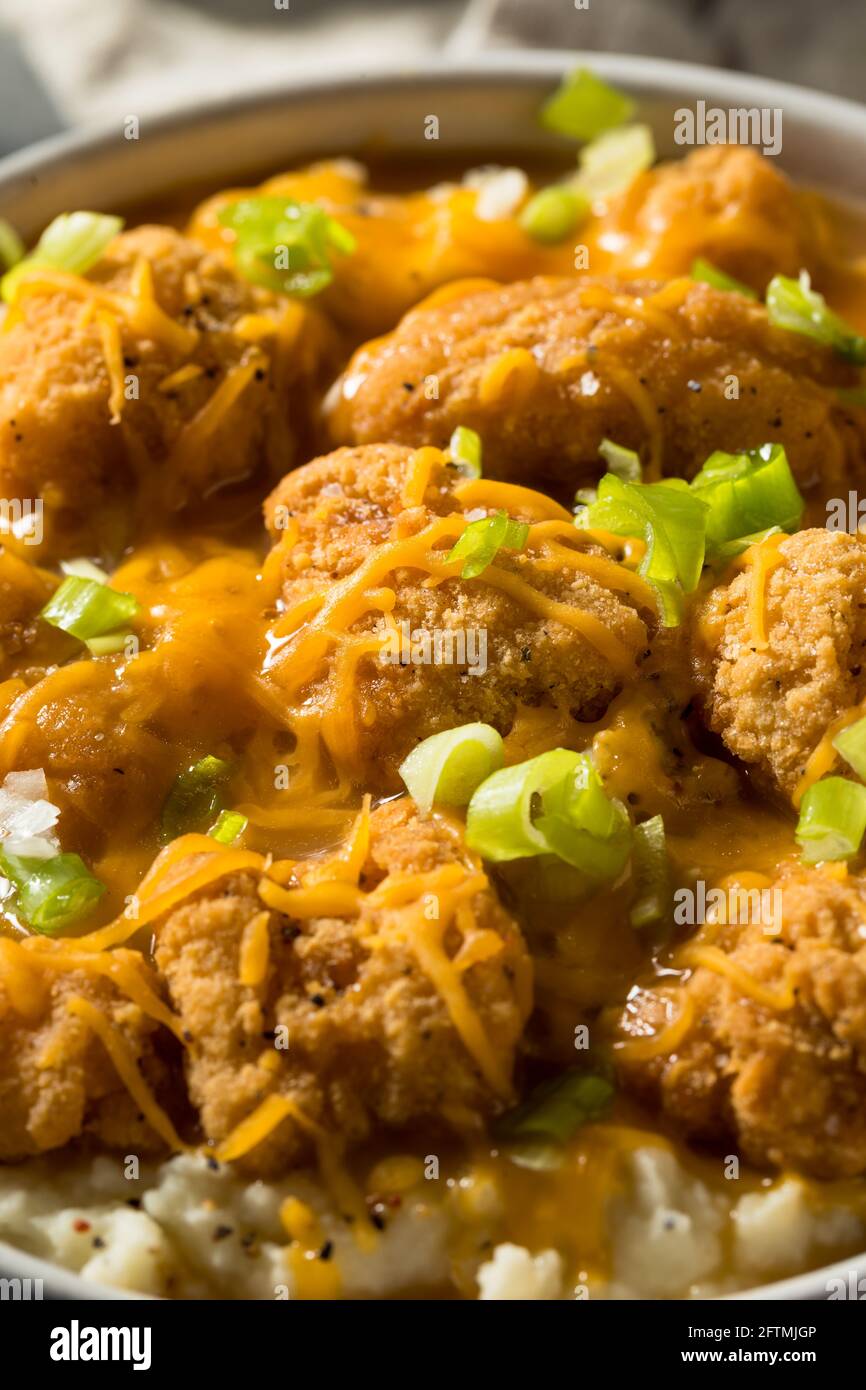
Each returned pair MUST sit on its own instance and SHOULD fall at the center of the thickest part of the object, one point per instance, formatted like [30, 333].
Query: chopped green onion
[465, 451]
[552, 804]
[651, 874]
[795, 306]
[671, 521]
[483, 539]
[271, 229]
[851, 744]
[747, 494]
[708, 274]
[613, 161]
[583, 106]
[832, 820]
[12, 248]
[51, 893]
[553, 214]
[229, 827]
[195, 798]
[73, 242]
[84, 569]
[534, 1133]
[87, 609]
[729, 550]
[450, 766]
[623, 463]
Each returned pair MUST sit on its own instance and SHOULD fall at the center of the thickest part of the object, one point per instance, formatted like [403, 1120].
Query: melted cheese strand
[666, 1040]
[713, 958]
[128, 1070]
[824, 756]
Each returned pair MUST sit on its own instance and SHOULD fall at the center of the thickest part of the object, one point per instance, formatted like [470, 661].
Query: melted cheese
[187, 451]
[824, 756]
[252, 1131]
[127, 1068]
[761, 559]
[109, 332]
[254, 950]
[512, 376]
[190, 371]
[139, 307]
[419, 472]
[665, 1041]
[713, 958]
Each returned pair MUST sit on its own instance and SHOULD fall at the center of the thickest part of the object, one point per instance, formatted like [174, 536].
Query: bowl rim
[648, 77]
[652, 76]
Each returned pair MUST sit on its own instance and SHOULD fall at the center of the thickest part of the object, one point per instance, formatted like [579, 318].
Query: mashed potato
[191, 1228]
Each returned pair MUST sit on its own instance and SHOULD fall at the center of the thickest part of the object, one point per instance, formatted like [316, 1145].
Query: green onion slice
[483, 539]
[271, 229]
[795, 306]
[554, 213]
[229, 827]
[851, 744]
[729, 550]
[12, 249]
[613, 161]
[671, 520]
[832, 820]
[51, 893]
[708, 274]
[464, 449]
[748, 494]
[552, 804]
[87, 608]
[623, 463]
[583, 106]
[73, 242]
[534, 1133]
[450, 766]
[651, 875]
[195, 798]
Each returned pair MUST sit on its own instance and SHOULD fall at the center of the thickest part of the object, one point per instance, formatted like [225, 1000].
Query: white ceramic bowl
[487, 105]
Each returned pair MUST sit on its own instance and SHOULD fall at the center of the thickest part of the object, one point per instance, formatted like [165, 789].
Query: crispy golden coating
[104, 766]
[725, 204]
[57, 1080]
[85, 439]
[336, 512]
[675, 373]
[786, 1082]
[347, 1022]
[773, 703]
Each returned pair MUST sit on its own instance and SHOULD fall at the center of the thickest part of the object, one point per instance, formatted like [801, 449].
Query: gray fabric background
[76, 62]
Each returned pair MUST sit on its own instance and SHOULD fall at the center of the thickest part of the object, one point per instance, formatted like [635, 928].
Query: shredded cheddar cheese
[127, 1068]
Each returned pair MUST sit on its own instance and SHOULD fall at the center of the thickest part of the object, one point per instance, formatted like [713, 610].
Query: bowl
[489, 105]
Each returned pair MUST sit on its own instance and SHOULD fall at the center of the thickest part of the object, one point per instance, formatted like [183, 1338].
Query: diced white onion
[32, 847]
[500, 192]
[27, 818]
[84, 569]
[30, 785]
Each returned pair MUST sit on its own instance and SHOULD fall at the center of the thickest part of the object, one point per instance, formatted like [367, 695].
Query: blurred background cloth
[81, 62]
